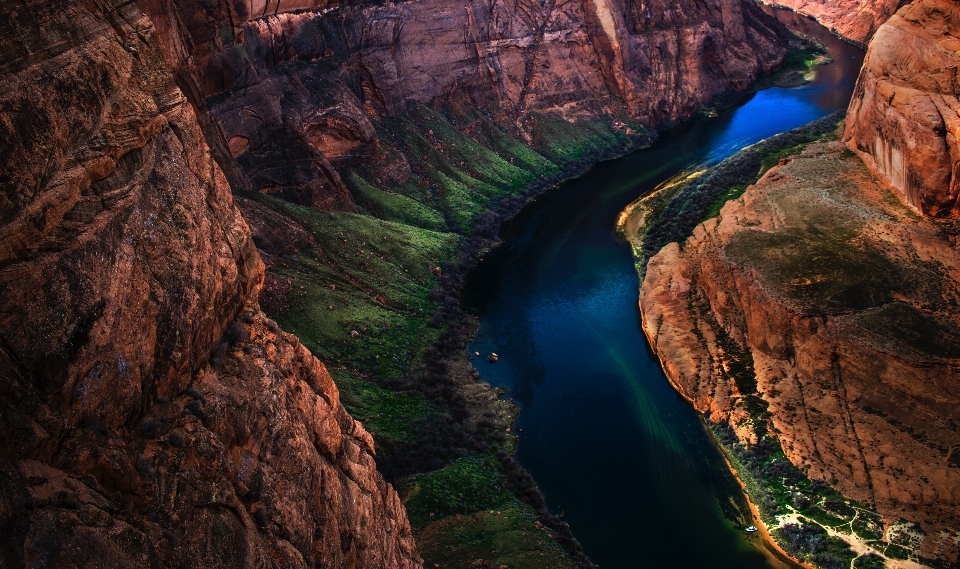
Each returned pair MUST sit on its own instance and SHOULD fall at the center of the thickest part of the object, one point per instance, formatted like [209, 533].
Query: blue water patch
[610, 443]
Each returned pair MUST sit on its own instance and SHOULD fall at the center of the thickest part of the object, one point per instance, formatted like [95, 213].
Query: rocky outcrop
[141, 424]
[295, 95]
[904, 119]
[841, 304]
[856, 20]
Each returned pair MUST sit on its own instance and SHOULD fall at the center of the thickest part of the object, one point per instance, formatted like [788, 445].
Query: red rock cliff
[124, 264]
[903, 119]
[291, 94]
[843, 303]
[856, 20]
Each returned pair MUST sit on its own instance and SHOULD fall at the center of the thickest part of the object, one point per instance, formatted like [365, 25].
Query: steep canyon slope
[903, 119]
[820, 309]
[856, 20]
[296, 96]
[124, 267]
[373, 147]
[152, 415]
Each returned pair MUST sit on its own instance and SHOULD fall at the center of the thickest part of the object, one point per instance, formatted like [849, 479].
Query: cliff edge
[815, 320]
[817, 308]
[856, 20]
[151, 416]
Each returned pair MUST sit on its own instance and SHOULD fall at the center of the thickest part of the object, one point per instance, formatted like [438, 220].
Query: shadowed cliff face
[123, 262]
[856, 20]
[295, 96]
[903, 119]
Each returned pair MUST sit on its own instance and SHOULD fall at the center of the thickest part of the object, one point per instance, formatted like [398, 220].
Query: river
[611, 445]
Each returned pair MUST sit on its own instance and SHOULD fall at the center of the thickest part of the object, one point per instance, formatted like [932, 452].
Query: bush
[149, 426]
[870, 561]
[235, 333]
[812, 542]
[177, 438]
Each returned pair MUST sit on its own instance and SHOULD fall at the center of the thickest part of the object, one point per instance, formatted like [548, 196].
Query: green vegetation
[374, 294]
[799, 64]
[394, 207]
[387, 413]
[693, 200]
[895, 551]
[810, 542]
[568, 143]
[367, 276]
[870, 561]
[512, 537]
[467, 486]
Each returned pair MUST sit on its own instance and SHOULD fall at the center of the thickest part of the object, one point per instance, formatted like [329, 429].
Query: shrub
[235, 333]
[870, 561]
[177, 438]
[149, 426]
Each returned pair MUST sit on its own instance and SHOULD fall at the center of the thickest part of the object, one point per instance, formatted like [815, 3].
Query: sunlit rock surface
[903, 119]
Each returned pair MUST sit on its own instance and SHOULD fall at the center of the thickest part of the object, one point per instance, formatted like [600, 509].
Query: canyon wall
[817, 314]
[150, 415]
[856, 20]
[295, 97]
[819, 303]
[904, 119]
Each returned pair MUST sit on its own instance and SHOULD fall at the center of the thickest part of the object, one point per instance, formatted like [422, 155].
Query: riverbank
[375, 295]
[748, 406]
[376, 298]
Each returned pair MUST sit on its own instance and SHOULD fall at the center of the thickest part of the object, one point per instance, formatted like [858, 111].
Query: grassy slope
[360, 299]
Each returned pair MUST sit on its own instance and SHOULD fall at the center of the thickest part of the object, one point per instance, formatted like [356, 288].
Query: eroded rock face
[123, 261]
[844, 303]
[293, 95]
[903, 119]
[856, 20]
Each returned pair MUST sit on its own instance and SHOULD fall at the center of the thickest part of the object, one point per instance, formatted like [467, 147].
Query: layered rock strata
[904, 119]
[842, 304]
[295, 96]
[856, 20]
[124, 264]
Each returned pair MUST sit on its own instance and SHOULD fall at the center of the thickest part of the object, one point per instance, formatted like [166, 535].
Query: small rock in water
[492, 357]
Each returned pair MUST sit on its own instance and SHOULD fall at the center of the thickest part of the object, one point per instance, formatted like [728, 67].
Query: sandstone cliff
[903, 119]
[295, 96]
[124, 264]
[856, 20]
[820, 309]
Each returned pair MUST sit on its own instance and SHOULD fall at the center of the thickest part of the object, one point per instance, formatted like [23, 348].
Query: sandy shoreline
[772, 549]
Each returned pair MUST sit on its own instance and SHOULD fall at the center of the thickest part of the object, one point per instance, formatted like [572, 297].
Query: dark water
[608, 440]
